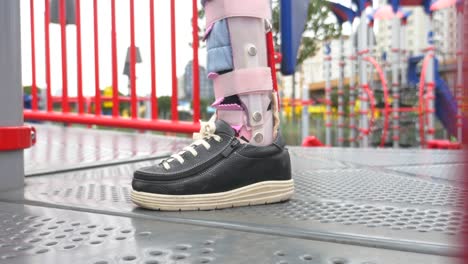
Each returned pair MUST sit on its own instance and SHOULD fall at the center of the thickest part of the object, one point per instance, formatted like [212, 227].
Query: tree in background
[164, 107]
[320, 26]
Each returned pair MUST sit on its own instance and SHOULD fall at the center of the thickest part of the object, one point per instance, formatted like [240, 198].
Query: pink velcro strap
[219, 9]
[243, 81]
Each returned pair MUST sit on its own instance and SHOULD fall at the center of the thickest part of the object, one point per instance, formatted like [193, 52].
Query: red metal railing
[80, 116]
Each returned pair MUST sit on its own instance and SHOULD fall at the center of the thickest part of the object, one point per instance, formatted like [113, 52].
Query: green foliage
[334, 99]
[204, 103]
[319, 27]
[164, 106]
[27, 89]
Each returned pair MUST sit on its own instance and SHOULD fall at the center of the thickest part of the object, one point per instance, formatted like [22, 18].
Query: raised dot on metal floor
[23, 248]
[205, 260]
[207, 250]
[156, 253]
[179, 256]
[129, 258]
[183, 247]
[8, 256]
[41, 251]
[307, 257]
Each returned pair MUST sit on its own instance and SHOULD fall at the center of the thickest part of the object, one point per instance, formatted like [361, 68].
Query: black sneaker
[216, 171]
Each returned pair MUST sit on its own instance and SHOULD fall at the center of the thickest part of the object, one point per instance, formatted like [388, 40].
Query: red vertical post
[63, 40]
[33, 58]
[115, 85]
[133, 97]
[272, 64]
[97, 101]
[79, 74]
[47, 54]
[271, 59]
[154, 99]
[175, 114]
[196, 66]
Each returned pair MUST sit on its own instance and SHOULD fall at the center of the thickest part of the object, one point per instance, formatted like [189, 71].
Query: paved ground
[361, 206]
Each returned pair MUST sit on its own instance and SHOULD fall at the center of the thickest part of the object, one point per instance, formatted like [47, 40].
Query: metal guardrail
[78, 114]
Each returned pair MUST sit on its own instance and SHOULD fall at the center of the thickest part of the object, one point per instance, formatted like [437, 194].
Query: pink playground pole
[352, 93]
[459, 85]
[403, 53]
[430, 84]
[341, 94]
[395, 79]
[364, 98]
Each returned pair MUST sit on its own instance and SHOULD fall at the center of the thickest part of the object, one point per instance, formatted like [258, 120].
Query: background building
[186, 82]
[444, 22]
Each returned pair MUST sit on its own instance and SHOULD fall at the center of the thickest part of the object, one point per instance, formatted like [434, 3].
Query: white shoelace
[206, 132]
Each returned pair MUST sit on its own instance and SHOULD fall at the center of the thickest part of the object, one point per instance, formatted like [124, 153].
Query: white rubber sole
[266, 192]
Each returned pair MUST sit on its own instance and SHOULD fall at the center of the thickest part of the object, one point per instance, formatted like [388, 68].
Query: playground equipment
[292, 29]
[438, 96]
[396, 25]
[436, 99]
[446, 104]
[460, 55]
[343, 15]
[362, 50]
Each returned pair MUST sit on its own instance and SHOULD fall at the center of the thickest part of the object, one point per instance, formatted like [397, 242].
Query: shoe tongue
[224, 128]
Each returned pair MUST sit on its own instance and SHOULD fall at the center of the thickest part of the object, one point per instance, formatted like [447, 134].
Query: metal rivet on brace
[257, 116]
[252, 50]
[258, 137]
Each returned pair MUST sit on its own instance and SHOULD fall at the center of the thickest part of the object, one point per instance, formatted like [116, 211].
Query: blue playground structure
[445, 102]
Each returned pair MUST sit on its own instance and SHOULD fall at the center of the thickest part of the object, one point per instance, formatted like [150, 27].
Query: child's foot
[216, 171]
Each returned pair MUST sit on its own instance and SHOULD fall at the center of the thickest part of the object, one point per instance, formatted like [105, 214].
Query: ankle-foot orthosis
[238, 65]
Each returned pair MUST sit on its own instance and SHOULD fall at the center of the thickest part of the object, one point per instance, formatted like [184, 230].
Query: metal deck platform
[361, 206]
[65, 148]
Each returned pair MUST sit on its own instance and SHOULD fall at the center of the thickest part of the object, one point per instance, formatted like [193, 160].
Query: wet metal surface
[64, 148]
[383, 206]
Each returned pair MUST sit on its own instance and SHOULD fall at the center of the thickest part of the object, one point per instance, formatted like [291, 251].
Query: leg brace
[237, 64]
